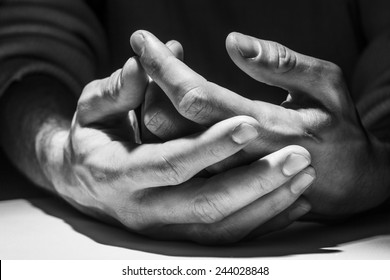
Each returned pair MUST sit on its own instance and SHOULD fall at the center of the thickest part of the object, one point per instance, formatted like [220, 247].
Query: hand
[318, 114]
[101, 168]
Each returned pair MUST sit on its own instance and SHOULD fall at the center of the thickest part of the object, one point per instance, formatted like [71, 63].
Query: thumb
[113, 97]
[276, 65]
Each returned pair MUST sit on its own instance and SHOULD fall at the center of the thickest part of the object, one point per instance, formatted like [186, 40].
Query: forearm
[60, 40]
[34, 111]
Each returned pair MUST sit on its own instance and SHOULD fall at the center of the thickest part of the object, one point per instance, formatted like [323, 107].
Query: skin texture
[36, 122]
[318, 114]
[94, 158]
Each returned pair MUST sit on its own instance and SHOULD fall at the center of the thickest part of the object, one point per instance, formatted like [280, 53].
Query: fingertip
[137, 41]
[291, 159]
[133, 69]
[298, 150]
[294, 163]
[176, 48]
[299, 209]
[311, 171]
[293, 152]
[302, 181]
[244, 133]
[133, 82]
[230, 40]
[246, 129]
[231, 45]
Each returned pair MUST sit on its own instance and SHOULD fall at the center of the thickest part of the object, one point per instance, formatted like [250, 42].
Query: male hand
[318, 114]
[101, 168]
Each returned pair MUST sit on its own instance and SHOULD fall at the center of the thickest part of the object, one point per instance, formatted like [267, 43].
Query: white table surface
[47, 228]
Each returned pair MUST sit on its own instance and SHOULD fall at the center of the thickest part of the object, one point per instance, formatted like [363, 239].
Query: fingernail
[295, 163]
[137, 42]
[244, 133]
[301, 182]
[171, 43]
[299, 210]
[247, 46]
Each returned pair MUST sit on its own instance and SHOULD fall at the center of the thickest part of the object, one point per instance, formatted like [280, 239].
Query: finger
[193, 97]
[113, 97]
[238, 225]
[174, 162]
[274, 64]
[176, 48]
[160, 118]
[211, 200]
[147, 136]
[297, 210]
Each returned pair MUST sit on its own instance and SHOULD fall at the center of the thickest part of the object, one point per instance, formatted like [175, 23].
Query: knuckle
[208, 209]
[280, 59]
[156, 122]
[168, 172]
[318, 123]
[195, 104]
[89, 161]
[332, 72]
[286, 59]
[102, 174]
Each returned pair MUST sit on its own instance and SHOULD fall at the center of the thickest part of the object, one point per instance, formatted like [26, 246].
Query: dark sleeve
[58, 38]
[371, 85]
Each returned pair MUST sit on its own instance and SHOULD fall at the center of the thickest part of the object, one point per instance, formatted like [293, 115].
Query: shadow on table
[302, 238]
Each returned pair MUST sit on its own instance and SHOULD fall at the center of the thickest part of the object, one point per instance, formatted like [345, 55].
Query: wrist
[50, 153]
[32, 110]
